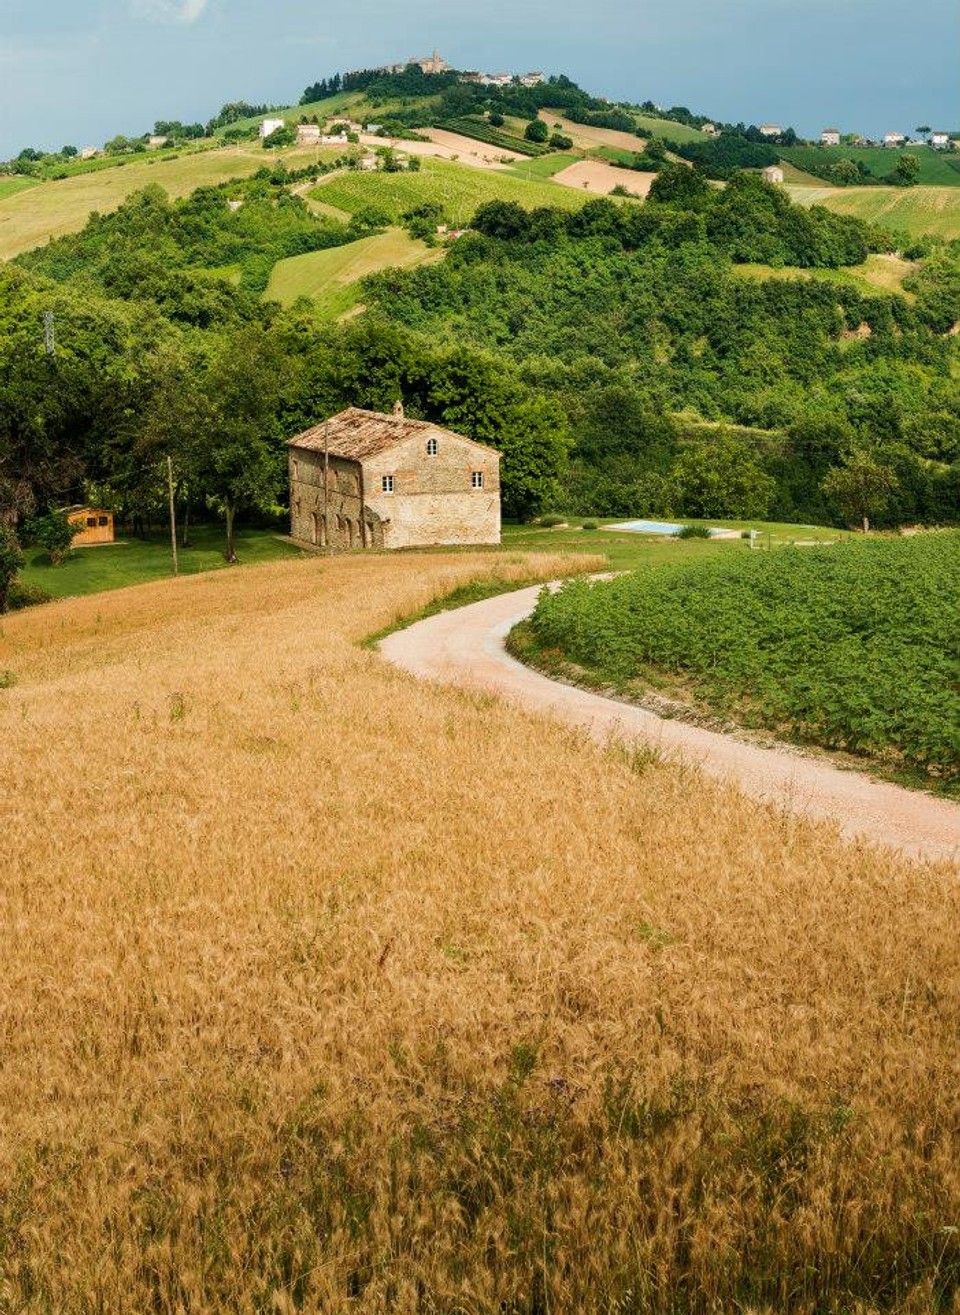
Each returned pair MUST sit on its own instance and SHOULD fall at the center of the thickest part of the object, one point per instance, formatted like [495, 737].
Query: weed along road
[467, 646]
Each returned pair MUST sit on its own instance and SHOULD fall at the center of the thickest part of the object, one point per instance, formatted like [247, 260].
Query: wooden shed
[96, 526]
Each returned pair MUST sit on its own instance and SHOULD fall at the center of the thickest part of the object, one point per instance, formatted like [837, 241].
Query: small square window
[433, 447]
[102, 520]
[387, 483]
[91, 522]
[476, 479]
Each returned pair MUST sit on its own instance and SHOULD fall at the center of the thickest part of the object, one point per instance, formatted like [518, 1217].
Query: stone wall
[336, 520]
[433, 501]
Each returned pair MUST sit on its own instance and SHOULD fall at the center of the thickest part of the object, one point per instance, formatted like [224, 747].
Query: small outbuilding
[773, 173]
[96, 526]
[363, 479]
[830, 137]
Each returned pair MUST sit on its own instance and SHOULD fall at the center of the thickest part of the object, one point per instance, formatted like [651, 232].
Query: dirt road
[466, 647]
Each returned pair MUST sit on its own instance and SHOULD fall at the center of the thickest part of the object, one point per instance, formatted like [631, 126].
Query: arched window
[433, 447]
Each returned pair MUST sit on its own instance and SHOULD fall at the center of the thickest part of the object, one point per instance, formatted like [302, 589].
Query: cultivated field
[466, 149]
[937, 168]
[459, 190]
[913, 210]
[330, 278]
[30, 218]
[326, 990]
[600, 178]
[587, 137]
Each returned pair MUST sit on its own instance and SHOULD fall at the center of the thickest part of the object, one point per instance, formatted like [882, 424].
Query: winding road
[467, 647]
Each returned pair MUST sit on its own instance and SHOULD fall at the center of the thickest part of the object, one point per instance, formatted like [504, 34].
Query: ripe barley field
[327, 990]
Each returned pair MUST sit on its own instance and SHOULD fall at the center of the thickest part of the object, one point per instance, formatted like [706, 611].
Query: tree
[11, 560]
[495, 119]
[923, 129]
[861, 487]
[681, 186]
[285, 136]
[536, 131]
[236, 455]
[722, 479]
[907, 170]
[54, 533]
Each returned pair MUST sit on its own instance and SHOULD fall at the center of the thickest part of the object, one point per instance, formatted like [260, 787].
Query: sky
[79, 71]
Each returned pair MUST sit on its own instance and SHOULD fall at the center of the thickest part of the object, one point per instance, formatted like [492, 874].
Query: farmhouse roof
[355, 434]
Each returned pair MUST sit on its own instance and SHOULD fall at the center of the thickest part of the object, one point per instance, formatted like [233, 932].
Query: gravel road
[466, 647]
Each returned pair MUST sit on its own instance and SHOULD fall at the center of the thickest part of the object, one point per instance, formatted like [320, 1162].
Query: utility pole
[173, 516]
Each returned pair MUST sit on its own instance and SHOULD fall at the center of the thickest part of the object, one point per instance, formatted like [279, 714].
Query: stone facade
[392, 483]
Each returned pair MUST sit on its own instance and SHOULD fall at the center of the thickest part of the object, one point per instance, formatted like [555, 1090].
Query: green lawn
[626, 551]
[937, 168]
[459, 189]
[135, 561]
[330, 278]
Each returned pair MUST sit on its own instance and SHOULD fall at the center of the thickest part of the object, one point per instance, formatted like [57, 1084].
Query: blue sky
[78, 71]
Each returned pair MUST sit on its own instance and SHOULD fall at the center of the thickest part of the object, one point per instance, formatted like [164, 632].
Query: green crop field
[545, 167]
[666, 128]
[937, 168]
[457, 188]
[852, 647]
[330, 278]
[31, 217]
[918, 211]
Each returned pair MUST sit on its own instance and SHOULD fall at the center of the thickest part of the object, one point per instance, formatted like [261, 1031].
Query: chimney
[398, 409]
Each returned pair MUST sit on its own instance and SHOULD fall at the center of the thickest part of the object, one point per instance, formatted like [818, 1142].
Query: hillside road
[466, 647]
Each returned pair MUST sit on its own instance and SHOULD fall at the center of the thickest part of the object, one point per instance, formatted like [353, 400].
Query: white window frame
[476, 479]
[387, 483]
[433, 447]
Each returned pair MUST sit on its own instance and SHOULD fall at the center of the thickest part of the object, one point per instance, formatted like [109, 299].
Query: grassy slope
[30, 218]
[882, 272]
[937, 169]
[459, 189]
[292, 114]
[330, 277]
[11, 186]
[914, 210]
[327, 989]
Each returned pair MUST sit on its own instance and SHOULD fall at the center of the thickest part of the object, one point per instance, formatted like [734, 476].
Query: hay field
[915, 210]
[586, 136]
[326, 990]
[600, 178]
[31, 217]
[330, 277]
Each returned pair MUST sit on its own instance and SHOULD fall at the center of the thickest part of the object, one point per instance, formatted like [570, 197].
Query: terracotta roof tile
[355, 434]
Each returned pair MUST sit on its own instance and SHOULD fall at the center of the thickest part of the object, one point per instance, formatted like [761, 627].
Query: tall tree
[861, 487]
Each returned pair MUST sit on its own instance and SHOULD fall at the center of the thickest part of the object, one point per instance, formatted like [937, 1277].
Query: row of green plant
[480, 130]
[852, 646]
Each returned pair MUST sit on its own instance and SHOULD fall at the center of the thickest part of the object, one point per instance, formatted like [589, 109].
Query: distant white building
[155, 142]
[770, 130]
[271, 125]
[89, 153]
[710, 129]
[940, 140]
[773, 173]
[367, 163]
[830, 137]
[893, 139]
[334, 139]
[531, 79]
[308, 134]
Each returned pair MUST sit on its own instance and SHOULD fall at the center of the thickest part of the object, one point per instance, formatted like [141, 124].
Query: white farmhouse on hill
[893, 139]
[770, 130]
[773, 173]
[940, 141]
[309, 134]
[270, 126]
[830, 137]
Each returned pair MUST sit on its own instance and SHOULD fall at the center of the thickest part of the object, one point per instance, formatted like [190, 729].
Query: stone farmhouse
[830, 137]
[367, 480]
[773, 173]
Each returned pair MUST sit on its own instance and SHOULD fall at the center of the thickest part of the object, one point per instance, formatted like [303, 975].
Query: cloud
[170, 11]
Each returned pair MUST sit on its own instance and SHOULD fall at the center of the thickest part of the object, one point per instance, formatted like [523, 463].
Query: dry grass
[323, 989]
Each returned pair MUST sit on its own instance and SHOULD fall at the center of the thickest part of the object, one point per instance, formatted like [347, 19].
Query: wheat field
[325, 990]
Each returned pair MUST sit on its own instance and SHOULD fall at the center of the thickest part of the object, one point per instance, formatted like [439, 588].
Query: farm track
[467, 646]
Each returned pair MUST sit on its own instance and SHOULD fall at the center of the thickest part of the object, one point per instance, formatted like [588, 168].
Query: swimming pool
[647, 527]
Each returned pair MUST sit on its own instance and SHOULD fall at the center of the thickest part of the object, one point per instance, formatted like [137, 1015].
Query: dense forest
[616, 355]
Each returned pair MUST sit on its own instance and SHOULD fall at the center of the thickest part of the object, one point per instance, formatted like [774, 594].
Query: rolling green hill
[331, 278]
[937, 168]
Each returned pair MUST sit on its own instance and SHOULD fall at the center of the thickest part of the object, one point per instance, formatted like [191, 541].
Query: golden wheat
[325, 990]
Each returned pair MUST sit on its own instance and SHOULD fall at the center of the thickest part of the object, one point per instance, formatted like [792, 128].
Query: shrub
[590, 525]
[550, 521]
[536, 131]
[26, 595]
[693, 532]
[53, 532]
